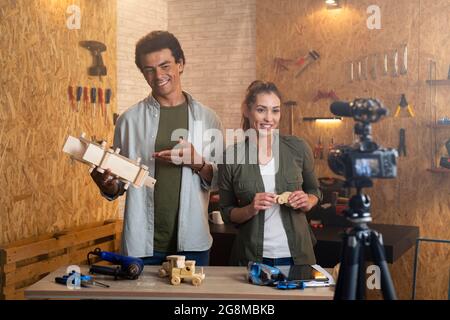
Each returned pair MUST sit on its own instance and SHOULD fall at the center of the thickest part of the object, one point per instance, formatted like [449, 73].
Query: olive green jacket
[239, 181]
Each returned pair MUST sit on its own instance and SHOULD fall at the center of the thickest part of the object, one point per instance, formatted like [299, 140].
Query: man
[163, 131]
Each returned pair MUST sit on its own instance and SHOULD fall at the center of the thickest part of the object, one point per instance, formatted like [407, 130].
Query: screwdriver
[108, 94]
[93, 99]
[85, 281]
[79, 93]
[71, 97]
[101, 101]
[86, 98]
[62, 280]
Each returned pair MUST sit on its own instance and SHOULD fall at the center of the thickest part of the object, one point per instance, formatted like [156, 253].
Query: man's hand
[301, 200]
[261, 201]
[106, 181]
[183, 153]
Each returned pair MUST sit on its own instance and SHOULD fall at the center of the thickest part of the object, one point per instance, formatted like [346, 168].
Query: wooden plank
[46, 246]
[443, 82]
[53, 235]
[45, 266]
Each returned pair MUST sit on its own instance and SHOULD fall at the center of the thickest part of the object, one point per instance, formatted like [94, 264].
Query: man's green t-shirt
[168, 177]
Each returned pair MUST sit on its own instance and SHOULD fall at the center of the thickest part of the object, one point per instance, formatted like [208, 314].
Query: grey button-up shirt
[135, 135]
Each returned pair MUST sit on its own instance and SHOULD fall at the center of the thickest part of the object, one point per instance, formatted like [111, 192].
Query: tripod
[351, 279]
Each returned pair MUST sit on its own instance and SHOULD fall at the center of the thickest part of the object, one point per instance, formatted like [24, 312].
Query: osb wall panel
[288, 29]
[40, 57]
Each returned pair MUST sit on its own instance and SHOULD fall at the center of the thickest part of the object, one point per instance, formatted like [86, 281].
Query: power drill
[128, 267]
[445, 161]
[96, 48]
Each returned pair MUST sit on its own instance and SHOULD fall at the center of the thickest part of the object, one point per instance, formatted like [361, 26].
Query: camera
[365, 159]
[359, 163]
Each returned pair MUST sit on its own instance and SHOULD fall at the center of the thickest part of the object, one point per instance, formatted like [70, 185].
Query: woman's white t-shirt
[275, 239]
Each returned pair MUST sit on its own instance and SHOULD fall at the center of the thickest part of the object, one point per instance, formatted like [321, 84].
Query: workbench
[220, 283]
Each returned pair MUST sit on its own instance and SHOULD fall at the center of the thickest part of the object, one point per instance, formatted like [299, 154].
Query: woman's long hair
[255, 88]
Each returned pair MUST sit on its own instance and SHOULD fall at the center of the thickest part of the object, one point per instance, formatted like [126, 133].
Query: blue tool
[128, 267]
[294, 284]
[263, 274]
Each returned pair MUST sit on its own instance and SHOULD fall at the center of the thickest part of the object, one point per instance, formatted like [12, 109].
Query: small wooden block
[283, 198]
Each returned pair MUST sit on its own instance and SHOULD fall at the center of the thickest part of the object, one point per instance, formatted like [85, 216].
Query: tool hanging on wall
[291, 105]
[93, 100]
[385, 64]
[79, 94]
[108, 94]
[318, 150]
[351, 71]
[281, 64]
[373, 66]
[404, 105]
[394, 63]
[101, 101]
[96, 48]
[86, 99]
[305, 61]
[71, 98]
[363, 66]
[404, 59]
[325, 95]
[402, 143]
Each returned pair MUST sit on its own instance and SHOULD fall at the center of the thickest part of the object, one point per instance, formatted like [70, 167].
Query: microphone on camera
[341, 109]
[360, 109]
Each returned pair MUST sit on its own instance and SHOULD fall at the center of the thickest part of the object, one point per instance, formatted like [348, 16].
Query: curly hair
[155, 41]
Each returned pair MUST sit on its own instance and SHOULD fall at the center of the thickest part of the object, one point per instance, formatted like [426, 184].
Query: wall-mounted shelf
[439, 126]
[322, 118]
[443, 82]
[434, 125]
[439, 170]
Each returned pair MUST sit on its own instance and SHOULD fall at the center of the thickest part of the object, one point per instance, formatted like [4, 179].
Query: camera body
[364, 160]
[357, 165]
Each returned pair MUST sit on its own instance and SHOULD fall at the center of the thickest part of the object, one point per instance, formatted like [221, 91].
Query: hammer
[291, 104]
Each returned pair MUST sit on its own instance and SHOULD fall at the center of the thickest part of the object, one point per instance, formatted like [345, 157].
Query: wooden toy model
[99, 156]
[283, 198]
[178, 269]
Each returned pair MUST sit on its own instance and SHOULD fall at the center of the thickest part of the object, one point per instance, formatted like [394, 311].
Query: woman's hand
[301, 200]
[261, 201]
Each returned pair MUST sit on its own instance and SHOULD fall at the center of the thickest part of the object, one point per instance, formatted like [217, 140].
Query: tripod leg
[349, 277]
[387, 287]
[361, 290]
[340, 281]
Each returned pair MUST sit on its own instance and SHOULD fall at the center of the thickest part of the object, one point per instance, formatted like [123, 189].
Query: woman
[268, 232]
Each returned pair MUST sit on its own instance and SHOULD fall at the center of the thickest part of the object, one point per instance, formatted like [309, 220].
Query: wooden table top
[220, 283]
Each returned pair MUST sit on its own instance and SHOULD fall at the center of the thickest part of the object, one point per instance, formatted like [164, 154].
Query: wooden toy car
[178, 269]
